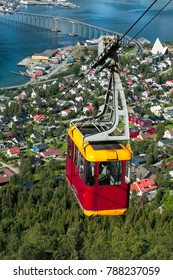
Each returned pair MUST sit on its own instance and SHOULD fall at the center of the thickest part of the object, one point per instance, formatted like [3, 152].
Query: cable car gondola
[98, 161]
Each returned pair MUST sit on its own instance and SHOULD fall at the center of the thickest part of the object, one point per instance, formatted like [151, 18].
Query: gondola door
[69, 160]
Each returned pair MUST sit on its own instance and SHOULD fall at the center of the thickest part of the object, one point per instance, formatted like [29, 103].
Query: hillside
[46, 223]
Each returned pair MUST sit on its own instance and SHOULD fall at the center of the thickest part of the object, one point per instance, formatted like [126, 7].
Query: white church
[158, 48]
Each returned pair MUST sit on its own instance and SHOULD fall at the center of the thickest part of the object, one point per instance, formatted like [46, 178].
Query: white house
[65, 113]
[88, 108]
[168, 134]
[33, 94]
[84, 67]
[156, 110]
[2, 107]
[13, 152]
[169, 83]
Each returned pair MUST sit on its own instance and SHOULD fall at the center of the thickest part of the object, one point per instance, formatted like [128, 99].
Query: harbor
[9, 7]
[20, 73]
[62, 3]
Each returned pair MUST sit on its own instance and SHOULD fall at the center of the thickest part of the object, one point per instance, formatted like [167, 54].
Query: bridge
[65, 25]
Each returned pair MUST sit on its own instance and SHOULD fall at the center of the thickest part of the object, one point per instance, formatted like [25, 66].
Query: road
[15, 169]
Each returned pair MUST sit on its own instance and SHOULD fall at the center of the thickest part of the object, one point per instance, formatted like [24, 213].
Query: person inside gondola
[90, 173]
[103, 177]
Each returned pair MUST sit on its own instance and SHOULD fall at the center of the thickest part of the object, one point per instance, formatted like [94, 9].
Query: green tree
[160, 128]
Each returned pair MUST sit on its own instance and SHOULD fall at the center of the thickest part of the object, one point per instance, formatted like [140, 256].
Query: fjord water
[18, 40]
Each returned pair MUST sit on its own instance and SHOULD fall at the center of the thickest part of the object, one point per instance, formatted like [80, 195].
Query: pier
[20, 73]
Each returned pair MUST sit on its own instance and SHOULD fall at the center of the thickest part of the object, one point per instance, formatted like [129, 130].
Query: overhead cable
[149, 21]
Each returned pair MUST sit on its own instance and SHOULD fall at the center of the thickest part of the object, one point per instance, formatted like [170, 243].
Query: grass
[169, 126]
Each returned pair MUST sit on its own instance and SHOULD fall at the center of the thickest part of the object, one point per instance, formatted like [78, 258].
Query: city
[143, 85]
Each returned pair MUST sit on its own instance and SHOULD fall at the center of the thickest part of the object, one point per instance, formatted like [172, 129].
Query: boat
[73, 34]
[56, 30]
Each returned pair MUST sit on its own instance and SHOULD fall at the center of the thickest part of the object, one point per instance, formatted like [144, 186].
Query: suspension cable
[149, 22]
[138, 19]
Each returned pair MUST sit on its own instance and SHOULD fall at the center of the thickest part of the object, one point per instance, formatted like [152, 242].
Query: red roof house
[144, 186]
[13, 152]
[21, 96]
[134, 132]
[65, 113]
[5, 176]
[38, 118]
[144, 122]
[88, 108]
[50, 152]
[129, 81]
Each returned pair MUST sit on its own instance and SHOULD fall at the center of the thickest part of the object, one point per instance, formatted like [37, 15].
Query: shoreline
[28, 62]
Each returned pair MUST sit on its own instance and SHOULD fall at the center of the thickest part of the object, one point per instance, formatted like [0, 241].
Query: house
[144, 186]
[139, 160]
[88, 108]
[129, 81]
[40, 148]
[156, 110]
[84, 67]
[27, 185]
[21, 96]
[9, 135]
[37, 118]
[148, 129]
[168, 134]
[156, 119]
[153, 171]
[141, 172]
[133, 118]
[165, 143]
[169, 163]
[134, 132]
[65, 113]
[169, 83]
[38, 103]
[144, 122]
[123, 74]
[35, 137]
[5, 176]
[146, 94]
[144, 136]
[13, 152]
[46, 55]
[2, 107]
[50, 152]
[3, 145]
[20, 142]
[135, 110]
[4, 128]
[33, 94]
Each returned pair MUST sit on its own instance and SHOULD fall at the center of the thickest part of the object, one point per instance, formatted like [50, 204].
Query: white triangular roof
[158, 47]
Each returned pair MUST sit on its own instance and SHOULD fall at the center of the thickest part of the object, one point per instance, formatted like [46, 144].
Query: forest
[45, 223]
